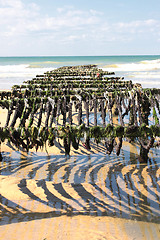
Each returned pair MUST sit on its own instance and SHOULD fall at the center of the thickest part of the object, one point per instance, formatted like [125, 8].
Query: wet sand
[81, 197]
[81, 228]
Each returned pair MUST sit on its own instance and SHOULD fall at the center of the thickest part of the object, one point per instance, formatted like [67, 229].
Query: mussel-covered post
[145, 146]
[87, 111]
[58, 110]
[52, 102]
[17, 113]
[40, 114]
[48, 109]
[95, 110]
[64, 110]
[70, 112]
[110, 105]
[80, 112]
[10, 110]
[103, 113]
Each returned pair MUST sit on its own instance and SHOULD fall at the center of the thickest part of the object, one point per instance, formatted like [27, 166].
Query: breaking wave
[147, 65]
[22, 70]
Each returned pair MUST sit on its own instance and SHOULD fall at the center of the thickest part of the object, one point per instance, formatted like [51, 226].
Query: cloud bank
[24, 27]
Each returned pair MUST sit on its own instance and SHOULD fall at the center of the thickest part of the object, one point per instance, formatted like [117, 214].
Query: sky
[79, 27]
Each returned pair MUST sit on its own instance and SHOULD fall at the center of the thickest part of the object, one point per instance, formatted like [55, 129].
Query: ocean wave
[148, 79]
[44, 64]
[146, 65]
[13, 68]
[151, 61]
[34, 66]
[21, 70]
[147, 75]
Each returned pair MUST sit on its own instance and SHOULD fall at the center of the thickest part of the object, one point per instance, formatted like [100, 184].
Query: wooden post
[95, 110]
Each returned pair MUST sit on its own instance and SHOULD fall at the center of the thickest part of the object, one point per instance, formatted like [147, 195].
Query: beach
[88, 194]
[80, 228]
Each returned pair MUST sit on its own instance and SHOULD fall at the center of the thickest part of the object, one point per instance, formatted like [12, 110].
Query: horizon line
[119, 55]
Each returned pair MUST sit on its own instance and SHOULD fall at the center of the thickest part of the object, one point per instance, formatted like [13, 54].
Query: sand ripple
[40, 186]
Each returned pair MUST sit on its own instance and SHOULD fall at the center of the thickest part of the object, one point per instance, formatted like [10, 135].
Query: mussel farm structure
[34, 110]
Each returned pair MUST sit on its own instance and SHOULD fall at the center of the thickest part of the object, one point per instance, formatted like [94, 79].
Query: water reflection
[98, 185]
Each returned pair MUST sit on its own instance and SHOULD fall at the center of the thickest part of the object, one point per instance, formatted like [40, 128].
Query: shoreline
[54, 62]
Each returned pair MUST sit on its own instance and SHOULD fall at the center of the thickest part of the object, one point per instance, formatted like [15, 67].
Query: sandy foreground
[65, 227]
[80, 228]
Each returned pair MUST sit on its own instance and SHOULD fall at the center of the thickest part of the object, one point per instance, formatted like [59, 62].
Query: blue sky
[79, 27]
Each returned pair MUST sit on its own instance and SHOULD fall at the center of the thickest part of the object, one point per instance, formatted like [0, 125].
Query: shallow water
[94, 185]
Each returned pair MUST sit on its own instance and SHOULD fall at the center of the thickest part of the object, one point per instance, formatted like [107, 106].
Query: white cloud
[11, 3]
[72, 37]
[95, 12]
[15, 13]
[76, 37]
[138, 26]
[24, 23]
[17, 18]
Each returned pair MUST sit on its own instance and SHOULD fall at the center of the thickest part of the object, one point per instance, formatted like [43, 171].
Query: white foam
[139, 66]
[157, 61]
[21, 70]
[17, 74]
[142, 72]
[146, 75]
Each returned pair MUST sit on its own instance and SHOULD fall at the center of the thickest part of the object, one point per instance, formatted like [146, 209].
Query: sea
[143, 69]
